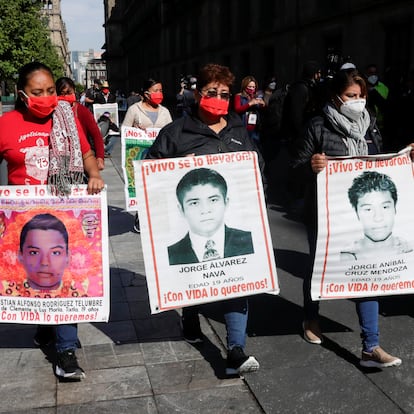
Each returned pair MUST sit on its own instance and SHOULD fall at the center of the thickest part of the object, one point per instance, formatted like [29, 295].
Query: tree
[24, 37]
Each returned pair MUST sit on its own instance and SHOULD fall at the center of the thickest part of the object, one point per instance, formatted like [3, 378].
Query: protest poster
[134, 146]
[365, 241]
[111, 109]
[53, 256]
[204, 229]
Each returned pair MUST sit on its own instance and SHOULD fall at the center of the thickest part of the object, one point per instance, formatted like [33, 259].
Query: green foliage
[24, 37]
[79, 88]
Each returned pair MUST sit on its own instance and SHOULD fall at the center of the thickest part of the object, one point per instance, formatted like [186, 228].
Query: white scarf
[353, 132]
[65, 155]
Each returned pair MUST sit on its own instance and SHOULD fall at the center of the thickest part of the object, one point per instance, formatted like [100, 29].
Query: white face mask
[373, 79]
[353, 108]
[272, 86]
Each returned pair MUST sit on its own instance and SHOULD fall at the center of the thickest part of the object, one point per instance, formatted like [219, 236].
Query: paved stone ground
[138, 363]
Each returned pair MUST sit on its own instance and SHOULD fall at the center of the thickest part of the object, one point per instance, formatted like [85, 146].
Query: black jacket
[188, 135]
[321, 137]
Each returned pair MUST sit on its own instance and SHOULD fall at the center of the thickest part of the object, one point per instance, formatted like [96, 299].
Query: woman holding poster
[345, 128]
[31, 143]
[148, 113]
[211, 129]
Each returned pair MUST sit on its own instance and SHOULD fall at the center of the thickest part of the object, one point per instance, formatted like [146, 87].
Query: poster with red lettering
[204, 229]
[365, 243]
[53, 256]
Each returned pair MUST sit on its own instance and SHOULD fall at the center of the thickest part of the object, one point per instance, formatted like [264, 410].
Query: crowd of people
[348, 113]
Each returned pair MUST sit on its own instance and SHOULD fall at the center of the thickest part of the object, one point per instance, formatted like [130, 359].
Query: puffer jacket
[321, 137]
[189, 135]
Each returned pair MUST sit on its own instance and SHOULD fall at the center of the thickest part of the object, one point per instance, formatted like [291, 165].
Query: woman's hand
[257, 101]
[95, 185]
[95, 182]
[412, 152]
[318, 162]
[101, 164]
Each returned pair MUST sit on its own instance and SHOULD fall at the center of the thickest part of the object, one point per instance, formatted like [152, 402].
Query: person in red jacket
[247, 104]
[31, 144]
[65, 89]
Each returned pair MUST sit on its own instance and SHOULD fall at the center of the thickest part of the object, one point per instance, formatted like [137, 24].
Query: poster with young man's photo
[365, 245]
[53, 256]
[204, 229]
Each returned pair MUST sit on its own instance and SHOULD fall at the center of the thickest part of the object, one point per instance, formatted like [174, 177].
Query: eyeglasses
[212, 93]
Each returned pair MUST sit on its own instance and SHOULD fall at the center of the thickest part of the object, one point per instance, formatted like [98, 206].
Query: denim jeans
[66, 337]
[367, 309]
[235, 313]
[112, 139]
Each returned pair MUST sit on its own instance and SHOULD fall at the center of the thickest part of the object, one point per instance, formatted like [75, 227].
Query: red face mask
[250, 91]
[156, 97]
[41, 106]
[214, 106]
[105, 90]
[68, 98]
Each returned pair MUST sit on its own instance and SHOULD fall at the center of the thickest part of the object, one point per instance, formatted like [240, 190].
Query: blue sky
[84, 20]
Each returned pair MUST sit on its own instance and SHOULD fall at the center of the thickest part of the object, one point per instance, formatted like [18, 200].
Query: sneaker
[378, 358]
[312, 332]
[67, 366]
[44, 336]
[239, 363]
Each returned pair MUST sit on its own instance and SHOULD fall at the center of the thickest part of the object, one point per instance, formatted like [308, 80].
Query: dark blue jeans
[235, 313]
[66, 337]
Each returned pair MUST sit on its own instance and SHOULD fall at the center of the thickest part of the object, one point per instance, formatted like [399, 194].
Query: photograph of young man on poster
[374, 198]
[202, 200]
[44, 251]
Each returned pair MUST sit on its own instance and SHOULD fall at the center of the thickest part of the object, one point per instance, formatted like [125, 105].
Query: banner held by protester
[134, 145]
[204, 229]
[53, 256]
[365, 244]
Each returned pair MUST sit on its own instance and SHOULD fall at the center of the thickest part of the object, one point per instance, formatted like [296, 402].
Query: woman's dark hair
[25, 73]
[344, 79]
[64, 82]
[148, 84]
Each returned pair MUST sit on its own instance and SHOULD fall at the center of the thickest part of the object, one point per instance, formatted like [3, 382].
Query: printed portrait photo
[53, 253]
[202, 200]
[374, 198]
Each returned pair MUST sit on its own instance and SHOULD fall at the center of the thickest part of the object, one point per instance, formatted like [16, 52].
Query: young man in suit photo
[202, 200]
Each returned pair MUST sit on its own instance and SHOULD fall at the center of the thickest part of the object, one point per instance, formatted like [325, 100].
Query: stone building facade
[52, 11]
[168, 38]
